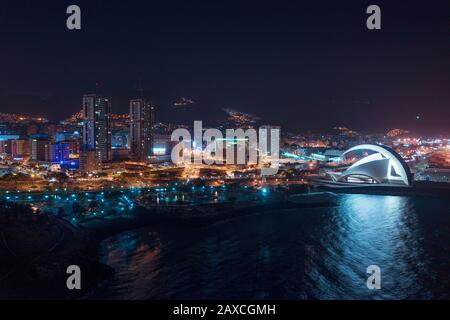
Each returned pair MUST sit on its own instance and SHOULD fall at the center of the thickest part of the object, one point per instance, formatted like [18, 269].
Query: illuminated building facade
[97, 126]
[60, 152]
[383, 165]
[19, 148]
[88, 161]
[269, 139]
[141, 129]
[40, 148]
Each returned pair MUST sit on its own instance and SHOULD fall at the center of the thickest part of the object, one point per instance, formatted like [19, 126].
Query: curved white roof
[384, 166]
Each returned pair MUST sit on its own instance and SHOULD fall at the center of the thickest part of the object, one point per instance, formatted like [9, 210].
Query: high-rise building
[97, 126]
[5, 142]
[270, 141]
[60, 152]
[88, 161]
[141, 129]
[40, 147]
[73, 139]
[19, 148]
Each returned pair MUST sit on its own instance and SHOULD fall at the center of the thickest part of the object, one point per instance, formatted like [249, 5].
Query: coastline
[35, 267]
[44, 276]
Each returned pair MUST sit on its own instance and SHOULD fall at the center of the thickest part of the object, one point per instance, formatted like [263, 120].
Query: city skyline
[216, 158]
[253, 58]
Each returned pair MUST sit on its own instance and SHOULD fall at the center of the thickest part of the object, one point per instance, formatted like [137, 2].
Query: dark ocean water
[320, 253]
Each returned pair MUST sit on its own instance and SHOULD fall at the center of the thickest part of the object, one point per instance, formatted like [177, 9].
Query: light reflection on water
[292, 254]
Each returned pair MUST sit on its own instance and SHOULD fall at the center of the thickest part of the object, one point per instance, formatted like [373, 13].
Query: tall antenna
[140, 88]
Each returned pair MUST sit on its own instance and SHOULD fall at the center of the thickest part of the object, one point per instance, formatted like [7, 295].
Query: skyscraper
[40, 146]
[141, 128]
[88, 161]
[60, 152]
[97, 126]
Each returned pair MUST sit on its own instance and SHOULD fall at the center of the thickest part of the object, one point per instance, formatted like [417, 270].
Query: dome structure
[382, 166]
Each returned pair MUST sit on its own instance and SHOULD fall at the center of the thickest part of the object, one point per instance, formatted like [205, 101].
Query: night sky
[305, 65]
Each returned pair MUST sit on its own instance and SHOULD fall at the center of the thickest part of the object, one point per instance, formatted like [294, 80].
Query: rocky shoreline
[35, 251]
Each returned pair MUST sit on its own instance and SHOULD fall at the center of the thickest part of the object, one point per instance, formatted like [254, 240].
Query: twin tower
[97, 127]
